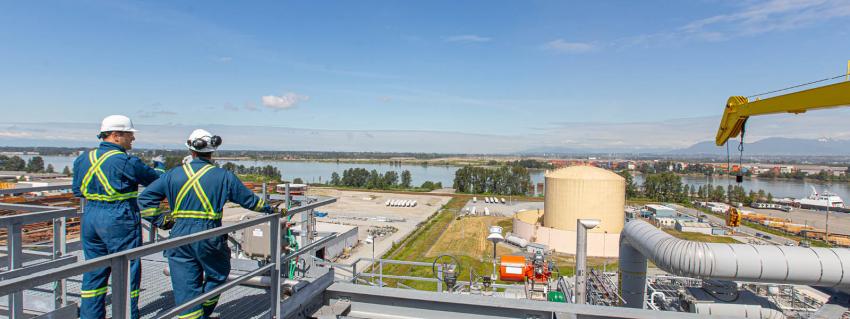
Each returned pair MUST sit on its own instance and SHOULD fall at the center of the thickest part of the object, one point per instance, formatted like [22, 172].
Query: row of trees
[16, 163]
[362, 178]
[668, 187]
[505, 180]
[264, 173]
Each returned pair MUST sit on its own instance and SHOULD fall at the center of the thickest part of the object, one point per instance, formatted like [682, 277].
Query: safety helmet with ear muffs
[203, 141]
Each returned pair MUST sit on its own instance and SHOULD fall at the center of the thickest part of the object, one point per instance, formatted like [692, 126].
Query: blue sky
[530, 70]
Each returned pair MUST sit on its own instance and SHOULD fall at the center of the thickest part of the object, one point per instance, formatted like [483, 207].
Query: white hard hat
[117, 123]
[202, 141]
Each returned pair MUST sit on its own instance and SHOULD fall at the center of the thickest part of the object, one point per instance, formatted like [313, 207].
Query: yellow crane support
[739, 109]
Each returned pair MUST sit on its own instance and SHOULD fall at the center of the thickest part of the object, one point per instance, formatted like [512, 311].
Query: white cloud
[467, 38]
[14, 134]
[563, 46]
[223, 59]
[767, 16]
[750, 19]
[146, 114]
[282, 102]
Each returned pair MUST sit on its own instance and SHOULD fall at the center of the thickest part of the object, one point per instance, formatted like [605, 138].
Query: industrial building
[661, 211]
[694, 227]
[573, 193]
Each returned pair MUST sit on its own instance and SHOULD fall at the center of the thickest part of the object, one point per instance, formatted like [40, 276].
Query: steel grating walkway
[156, 295]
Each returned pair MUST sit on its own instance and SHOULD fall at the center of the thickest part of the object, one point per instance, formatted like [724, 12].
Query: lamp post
[495, 236]
[582, 225]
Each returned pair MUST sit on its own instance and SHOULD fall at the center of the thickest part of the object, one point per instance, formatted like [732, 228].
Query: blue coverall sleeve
[238, 193]
[142, 173]
[150, 199]
[77, 181]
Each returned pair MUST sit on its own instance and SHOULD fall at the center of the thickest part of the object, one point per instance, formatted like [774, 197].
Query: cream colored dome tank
[579, 192]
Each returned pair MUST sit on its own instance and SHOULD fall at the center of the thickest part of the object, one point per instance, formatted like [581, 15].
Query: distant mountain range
[774, 146]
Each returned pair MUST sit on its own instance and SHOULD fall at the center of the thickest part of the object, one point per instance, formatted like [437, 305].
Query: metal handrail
[14, 249]
[46, 213]
[119, 262]
[13, 191]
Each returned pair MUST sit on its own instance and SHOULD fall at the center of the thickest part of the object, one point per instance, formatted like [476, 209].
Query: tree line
[33, 165]
[254, 173]
[358, 177]
[504, 180]
[668, 187]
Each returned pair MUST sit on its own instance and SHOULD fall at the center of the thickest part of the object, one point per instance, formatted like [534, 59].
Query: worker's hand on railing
[167, 221]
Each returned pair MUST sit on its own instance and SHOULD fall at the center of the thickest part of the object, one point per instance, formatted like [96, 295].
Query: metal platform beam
[375, 302]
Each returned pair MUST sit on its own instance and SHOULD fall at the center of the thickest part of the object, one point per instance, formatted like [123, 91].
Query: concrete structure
[693, 227]
[527, 226]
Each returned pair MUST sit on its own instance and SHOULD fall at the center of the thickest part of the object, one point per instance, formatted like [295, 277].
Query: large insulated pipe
[582, 225]
[825, 267]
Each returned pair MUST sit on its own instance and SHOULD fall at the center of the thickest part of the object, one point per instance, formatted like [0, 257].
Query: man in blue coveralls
[108, 178]
[197, 192]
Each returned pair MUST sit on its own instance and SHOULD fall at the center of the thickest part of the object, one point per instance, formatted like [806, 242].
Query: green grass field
[444, 234]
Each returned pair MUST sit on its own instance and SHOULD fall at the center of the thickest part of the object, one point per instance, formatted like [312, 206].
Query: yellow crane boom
[739, 109]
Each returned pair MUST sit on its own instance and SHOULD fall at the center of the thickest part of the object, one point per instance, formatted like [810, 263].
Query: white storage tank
[580, 192]
[516, 241]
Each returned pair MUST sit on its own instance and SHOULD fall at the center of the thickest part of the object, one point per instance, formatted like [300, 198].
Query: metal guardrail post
[16, 255]
[440, 278]
[274, 273]
[354, 272]
[152, 233]
[59, 249]
[120, 287]
[380, 273]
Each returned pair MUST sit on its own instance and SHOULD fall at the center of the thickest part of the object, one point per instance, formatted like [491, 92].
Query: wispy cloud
[564, 46]
[767, 16]
[223, 59]
[282, 102]
[467, 38]
[146, 114]
[251, 107]
[750, 19]
[230, 107]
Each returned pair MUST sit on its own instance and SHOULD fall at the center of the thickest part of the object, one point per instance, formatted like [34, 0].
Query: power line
[798, 85]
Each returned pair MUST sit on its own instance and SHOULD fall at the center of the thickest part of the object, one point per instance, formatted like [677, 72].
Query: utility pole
[827, 219]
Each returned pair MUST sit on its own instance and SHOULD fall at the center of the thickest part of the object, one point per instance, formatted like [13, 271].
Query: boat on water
[822, 200]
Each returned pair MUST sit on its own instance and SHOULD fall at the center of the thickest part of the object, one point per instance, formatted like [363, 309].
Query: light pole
[582, 225]
[495, 236]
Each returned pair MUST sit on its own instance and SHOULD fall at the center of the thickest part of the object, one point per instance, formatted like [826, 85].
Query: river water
[315, 172]
[778, 187]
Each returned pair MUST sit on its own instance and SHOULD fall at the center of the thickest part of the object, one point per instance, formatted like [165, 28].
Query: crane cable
[741, 154]
[798, 85]
[728, 172]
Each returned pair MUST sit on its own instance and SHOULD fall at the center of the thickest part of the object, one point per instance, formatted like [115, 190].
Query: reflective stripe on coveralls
[95, 170]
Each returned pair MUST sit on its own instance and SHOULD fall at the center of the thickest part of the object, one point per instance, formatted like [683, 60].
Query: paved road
[779, 240]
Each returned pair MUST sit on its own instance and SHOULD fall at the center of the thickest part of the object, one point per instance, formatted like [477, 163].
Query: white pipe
[812, 266]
